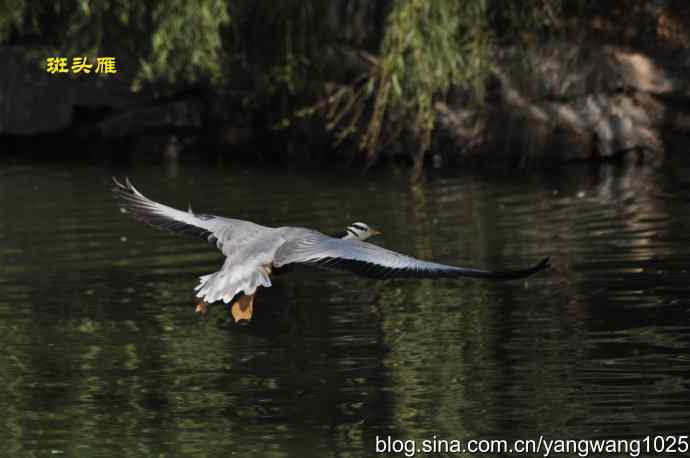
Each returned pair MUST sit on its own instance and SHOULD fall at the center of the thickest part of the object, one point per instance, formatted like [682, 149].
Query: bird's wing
[372, 261]
[215, 229]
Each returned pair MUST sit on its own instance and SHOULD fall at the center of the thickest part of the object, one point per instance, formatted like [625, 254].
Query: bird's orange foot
[243, 308]
[201, 307]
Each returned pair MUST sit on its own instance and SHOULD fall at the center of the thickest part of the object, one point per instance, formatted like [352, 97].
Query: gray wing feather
[215, 229]
[375, 262]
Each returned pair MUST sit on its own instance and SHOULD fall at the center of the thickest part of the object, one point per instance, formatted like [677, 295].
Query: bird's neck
[342, 235]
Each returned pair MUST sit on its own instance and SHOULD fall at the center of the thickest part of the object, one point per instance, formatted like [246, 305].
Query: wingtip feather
[126, 188]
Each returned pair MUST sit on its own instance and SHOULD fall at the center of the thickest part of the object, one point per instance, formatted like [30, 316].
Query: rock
[656, 74]
[33, 101]
[179, 115]
[575, 102]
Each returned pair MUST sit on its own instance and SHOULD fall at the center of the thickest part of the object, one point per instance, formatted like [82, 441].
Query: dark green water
[103, 354]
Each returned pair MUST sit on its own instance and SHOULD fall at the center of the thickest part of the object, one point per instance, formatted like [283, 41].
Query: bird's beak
[375, 231]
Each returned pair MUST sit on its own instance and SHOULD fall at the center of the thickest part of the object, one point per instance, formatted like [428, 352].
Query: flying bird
[254, 252]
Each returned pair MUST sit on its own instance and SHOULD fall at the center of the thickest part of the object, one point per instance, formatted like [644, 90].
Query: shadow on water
[104, 354]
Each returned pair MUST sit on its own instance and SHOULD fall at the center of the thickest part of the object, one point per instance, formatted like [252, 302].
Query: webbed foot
[201, 307]
[243, 308]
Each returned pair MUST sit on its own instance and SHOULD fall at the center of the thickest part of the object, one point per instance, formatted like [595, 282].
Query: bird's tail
[223, 285]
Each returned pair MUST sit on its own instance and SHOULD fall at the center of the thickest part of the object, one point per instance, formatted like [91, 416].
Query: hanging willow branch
[427, 48]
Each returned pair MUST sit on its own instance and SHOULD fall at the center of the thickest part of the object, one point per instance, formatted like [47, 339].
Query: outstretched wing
[375, 262]
[215, 229]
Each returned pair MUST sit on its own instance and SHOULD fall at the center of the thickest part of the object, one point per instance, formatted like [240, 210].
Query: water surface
[104, 355]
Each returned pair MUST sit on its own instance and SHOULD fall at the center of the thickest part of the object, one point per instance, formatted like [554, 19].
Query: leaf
[396, 85]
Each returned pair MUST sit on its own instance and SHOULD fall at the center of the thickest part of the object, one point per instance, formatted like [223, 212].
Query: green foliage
[11, 17]
[277, 51]
[374, 78]
[427, 47]
[186, 40]
[167, 40]
[519, 22]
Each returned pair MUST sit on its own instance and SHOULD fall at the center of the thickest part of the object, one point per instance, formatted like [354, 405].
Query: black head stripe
[359, 226]
[352, 233]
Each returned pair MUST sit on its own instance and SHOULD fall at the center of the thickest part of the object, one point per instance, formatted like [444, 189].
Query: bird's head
[360, 231]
